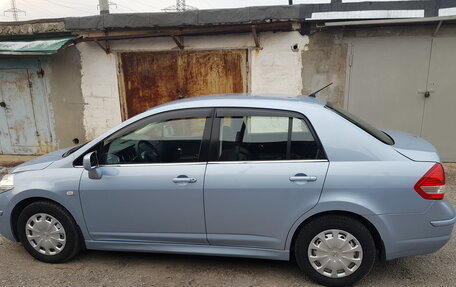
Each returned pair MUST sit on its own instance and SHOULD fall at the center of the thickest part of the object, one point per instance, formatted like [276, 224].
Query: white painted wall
[100, 90]
[275, 69]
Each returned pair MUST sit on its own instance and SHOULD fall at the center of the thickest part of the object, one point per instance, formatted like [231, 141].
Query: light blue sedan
[238, 175]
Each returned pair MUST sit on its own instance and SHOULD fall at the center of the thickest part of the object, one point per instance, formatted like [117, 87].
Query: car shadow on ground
[403, 272]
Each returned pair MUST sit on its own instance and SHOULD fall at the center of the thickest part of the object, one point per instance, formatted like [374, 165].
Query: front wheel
[48, 232]
[335, 250]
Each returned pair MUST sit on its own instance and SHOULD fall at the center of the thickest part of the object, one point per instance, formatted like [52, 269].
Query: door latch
[427, 93]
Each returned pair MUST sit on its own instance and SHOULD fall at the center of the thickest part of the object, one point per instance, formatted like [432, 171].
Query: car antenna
[314, 94]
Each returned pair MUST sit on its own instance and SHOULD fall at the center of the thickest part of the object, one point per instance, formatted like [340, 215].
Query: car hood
[413, 147]
[40, 162]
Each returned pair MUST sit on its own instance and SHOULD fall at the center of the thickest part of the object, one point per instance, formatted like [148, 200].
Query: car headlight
[7, 182]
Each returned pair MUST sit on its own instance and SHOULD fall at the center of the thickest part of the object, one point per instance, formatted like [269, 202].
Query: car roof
[244, 100]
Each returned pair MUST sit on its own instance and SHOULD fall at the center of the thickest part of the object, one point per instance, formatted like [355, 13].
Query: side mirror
[90, 163]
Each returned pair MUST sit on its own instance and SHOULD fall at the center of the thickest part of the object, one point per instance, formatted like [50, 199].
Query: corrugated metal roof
[45, 46]
[263, 14]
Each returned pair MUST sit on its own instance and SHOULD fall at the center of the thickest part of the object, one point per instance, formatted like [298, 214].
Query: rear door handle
[184, 179]
[302, 177]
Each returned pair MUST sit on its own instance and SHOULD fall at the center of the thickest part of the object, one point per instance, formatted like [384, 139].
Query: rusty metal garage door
[154, 78]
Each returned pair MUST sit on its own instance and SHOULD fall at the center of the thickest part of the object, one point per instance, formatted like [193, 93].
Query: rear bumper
[416, 234]
[441, 223]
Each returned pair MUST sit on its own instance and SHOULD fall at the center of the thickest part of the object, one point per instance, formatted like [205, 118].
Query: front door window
[167, 141]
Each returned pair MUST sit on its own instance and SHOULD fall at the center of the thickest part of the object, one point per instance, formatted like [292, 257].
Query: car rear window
[378, 134]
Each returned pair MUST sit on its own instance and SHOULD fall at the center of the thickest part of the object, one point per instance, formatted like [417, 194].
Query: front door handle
[184, 179]
[302, 177]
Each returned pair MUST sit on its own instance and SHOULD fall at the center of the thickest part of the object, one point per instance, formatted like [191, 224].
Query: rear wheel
[335, 250]
[48, 232]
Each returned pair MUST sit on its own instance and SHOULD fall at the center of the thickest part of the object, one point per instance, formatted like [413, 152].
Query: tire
[339, 266]
[51, 229]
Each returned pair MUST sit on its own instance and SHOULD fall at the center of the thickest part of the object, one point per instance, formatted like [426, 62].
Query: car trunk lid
[413, 147]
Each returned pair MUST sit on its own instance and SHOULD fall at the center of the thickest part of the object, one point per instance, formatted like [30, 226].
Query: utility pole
[104, 6]
[179, 7]
[14, 11]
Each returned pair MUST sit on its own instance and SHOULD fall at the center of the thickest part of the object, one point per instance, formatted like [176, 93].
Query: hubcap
[335, 253]
[45, 234]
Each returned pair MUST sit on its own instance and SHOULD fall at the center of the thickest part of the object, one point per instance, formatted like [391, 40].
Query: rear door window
[266, 138]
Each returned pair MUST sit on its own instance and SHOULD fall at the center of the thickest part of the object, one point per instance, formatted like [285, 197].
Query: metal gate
[406, 83]
[154, 78]
[24, 115]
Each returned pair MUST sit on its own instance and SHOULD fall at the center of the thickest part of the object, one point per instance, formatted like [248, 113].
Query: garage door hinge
[350, 58]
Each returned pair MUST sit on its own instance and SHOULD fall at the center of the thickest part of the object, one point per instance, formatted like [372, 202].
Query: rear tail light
[431, 185]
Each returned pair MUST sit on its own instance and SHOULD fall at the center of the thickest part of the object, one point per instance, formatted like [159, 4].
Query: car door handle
[184, 179]
[303, 178]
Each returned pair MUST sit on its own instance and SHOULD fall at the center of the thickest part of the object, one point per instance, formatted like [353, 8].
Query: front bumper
[416, 234]
[5, 221]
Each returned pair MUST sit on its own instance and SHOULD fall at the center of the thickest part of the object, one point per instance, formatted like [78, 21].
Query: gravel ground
[94, 268]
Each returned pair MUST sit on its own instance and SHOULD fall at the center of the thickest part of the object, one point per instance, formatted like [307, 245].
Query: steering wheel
[146, 152]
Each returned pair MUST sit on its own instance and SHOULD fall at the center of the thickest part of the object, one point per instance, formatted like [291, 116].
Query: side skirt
[208, 250]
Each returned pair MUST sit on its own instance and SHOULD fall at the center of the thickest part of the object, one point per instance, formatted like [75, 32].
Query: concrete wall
[276, 68]
[64, 78]
[324, 60]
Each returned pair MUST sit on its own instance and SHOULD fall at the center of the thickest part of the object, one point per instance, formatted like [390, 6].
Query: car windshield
[381, 136]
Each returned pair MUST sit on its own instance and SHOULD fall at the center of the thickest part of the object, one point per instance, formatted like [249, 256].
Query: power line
[126, 7]
[46, 2]
[49, 12]
[208, 3]
[66, 6]
[14, 11]
[70, 7]
[145, 4]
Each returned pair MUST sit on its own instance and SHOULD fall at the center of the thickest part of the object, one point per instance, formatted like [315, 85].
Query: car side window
[303, 144]
[165, 141]
[256, 138]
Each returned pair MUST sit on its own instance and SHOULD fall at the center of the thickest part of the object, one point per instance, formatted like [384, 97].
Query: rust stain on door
[154, 78]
